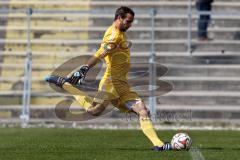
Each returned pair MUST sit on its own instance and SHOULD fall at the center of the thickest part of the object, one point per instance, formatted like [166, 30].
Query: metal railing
[27, 73]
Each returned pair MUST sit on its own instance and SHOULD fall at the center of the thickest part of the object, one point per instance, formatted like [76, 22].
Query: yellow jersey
[117, 59]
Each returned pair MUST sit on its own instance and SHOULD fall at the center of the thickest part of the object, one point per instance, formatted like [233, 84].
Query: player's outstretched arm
[78, 76]
[75, 77]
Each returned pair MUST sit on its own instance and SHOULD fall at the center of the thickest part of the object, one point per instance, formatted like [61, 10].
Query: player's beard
[123, 28]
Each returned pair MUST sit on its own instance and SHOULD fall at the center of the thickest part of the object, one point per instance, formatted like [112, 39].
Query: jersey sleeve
[111, 39]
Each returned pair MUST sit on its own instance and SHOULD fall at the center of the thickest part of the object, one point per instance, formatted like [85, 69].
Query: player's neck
[116, 25]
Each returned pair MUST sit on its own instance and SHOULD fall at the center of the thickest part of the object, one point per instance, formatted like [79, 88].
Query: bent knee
[141, 110]
[144, 113]
[96, 111]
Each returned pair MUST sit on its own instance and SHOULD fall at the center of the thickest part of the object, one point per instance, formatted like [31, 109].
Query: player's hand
[79, 76]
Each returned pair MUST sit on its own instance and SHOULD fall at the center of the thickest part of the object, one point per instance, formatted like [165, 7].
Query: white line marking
[196, 154]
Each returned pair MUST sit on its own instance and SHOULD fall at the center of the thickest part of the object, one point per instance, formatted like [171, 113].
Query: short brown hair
[123, 11]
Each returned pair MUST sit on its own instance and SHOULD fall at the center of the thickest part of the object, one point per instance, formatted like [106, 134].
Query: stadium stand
[206, 82]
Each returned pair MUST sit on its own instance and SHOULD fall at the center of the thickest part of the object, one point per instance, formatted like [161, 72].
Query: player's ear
[120, 18]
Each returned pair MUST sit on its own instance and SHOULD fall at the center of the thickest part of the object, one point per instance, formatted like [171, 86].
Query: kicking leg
[97, 108]
[82, 98]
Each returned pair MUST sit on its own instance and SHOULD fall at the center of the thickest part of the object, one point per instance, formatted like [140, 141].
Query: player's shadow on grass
[211, 148]
[137, 149]
[132, 149]
[217, 148]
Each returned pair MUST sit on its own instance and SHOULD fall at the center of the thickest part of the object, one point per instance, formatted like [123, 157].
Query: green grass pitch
[76, 144]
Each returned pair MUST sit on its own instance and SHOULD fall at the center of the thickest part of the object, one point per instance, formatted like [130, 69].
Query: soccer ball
[181, 141]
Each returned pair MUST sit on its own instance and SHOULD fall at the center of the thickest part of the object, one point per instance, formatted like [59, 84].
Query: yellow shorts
[116, 89]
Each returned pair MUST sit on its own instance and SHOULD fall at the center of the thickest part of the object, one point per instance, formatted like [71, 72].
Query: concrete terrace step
[201, 78]
[189, 71]
[102, 29]
[135, 64]
[203, 93]
[203, 85]
[55, 54]
[190, 98]
[63, 16]
[103, 22]
[35, 61]
[162, 20]
[178, 83]
[193, 93]
[164, 112]
[96, 41]
[174, 45]
[211, 70]
[67, 54]
[199, 107]
[214, 94]
[203, 70]
[112, 3]
[165, 58]
[135, 33]
[159, 107]
[197, 58]
[200, 98]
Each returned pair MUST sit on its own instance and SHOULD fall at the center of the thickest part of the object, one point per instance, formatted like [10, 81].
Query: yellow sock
[148, 130]
[84, 100]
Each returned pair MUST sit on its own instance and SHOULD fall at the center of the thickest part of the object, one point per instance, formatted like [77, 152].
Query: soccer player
[115, 51]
